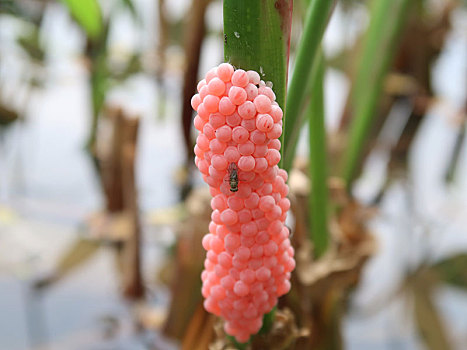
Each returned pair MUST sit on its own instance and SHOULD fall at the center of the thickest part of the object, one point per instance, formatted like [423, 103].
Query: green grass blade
[318, 167]
[256, 36]
[387, 19]
[88, 15]
[317, 17]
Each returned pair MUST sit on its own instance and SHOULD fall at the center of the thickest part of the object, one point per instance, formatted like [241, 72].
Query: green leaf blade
[386, 23]
[88, 15]
[317, 162]
[318, 14]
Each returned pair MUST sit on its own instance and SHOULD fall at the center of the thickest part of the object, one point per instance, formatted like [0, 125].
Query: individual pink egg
[252, 201]
[244, 190]
[240, 304]
[244, 215]
[231, 154]
[206, 242]
[219, 162]
[203, 142]
[195, 101]
[262, 224]
[240, 134]
[265, 189]
[217, 146]
[257, 213]
[246, 148]
[225, 71]
[216, 120]
[218, 292]
[283, 288]
[264, 123]
[225, 259]
[249, 124]
[263, 274]
[262, 104]
[276, 113]
[251, 92]
[260, 150]
[269, 261]
[255, 263]
[218, 202]
[203, 92]
[217, 245]
[248, 276]
[199, 154]
[216, 174]
[200, 85]
[233, 120]
[250, 312]
[237, 95]
[239, 264]
[211, 74]
[247, 110]
[216, 87]
[257, 251]
[266, 203]
[199, 123]
[227, 282]
[226, 107]
[209, 131]
[241, 288]
[203, 112]
[235, 203]
[240, 78]
[221, 231]
[249, 229]
[224, 133]
[229, 217]
[261, 164]
[276, 132]
[262, 237]
[270, 248]
[275, 227]
[246, 163]
[253, 77]
[219, 270]
[212, 256]
[258, 137]
[267, 91]
[247, 241]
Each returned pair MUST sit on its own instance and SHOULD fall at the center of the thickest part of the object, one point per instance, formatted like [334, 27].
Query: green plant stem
[256, 37]
[318, 14]
[387, 19]
[318, 168]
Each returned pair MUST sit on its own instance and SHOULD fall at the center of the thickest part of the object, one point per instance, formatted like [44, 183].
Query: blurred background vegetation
[102, 212]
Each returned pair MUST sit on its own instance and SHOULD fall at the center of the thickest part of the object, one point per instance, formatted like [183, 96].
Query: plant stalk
[318, 14]
[317, 163]
[387, 21]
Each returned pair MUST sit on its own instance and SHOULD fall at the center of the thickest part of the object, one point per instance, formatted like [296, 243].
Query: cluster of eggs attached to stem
[249, 256]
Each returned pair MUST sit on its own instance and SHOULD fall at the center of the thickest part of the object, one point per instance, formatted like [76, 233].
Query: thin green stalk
[318, 167]
[387, 20]
[256, 36]
[318, 14]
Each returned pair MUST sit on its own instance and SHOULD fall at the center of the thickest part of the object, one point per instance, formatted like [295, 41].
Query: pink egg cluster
[249, 257]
